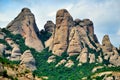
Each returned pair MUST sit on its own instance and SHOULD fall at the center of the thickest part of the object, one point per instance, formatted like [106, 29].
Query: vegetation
[48, 69]
[44, 35]
[7, 62]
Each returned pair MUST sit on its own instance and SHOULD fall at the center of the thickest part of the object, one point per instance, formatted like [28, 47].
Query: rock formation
[28, 60]
[49, 27]
[25, 25]
[71, 36]
[73, 44]
[2, 49]
[63, 23]
[16, 54]
[107, 46]
[110, 52]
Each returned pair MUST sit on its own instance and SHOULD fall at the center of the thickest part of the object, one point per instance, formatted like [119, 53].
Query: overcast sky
[105, 14]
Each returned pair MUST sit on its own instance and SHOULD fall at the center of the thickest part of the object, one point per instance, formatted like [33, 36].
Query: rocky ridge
[70, 38]
[78, 38]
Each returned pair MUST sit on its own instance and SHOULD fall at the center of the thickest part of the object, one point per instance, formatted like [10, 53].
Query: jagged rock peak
[49, 26]
[106, 40]
[64, 22]
[25, 25]
[107, 44]
[63, 14]
[26, 10]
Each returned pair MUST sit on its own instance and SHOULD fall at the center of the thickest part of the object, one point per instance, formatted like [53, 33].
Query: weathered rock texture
[28, 60]
[63, 23]
[49, 27]
[25, 25]
[2, 49]
[71, 36]
[16, 54]
[78, 38]
[110, 53]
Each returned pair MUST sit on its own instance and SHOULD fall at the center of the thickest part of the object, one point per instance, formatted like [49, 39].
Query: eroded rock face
[107, 46]
[75, 45]
[49, 27]
[63, 23]
[1, 69]
[92, 58]
[74, 37]
[16, 54]
[71, 36]
[28, 60]
[2, 49]
[110, 52]
[83, 57]
[25, 25]
[2, 35]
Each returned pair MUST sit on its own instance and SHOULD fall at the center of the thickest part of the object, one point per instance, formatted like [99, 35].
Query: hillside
[65, 50]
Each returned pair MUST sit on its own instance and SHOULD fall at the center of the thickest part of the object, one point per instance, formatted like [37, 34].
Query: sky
[105, 14]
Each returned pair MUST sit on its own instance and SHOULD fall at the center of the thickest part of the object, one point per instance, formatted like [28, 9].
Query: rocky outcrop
[91, 58]
[49, 27]
[71, 36]
[69, 63]
[51, 59]
[110, 53]
[63, 23]
[25, 25]
[107, 46]
[83, 57]
[28, 60]
[63, 61]
[2, 35]
[18, 72]
[1, 69]
[16, 54]
[2, 49]
[75, 45]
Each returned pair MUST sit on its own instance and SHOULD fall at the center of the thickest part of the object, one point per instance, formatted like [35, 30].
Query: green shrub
[44, 35]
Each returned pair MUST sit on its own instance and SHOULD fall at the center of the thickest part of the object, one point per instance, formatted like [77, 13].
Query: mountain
[65, 50]
[25, 25]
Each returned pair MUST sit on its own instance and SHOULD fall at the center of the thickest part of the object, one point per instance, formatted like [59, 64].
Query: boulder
[64, 22]
[16, 54]
[51, 59]
[25, 25]
[28, 59]
[69, 64]
[63, 61]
